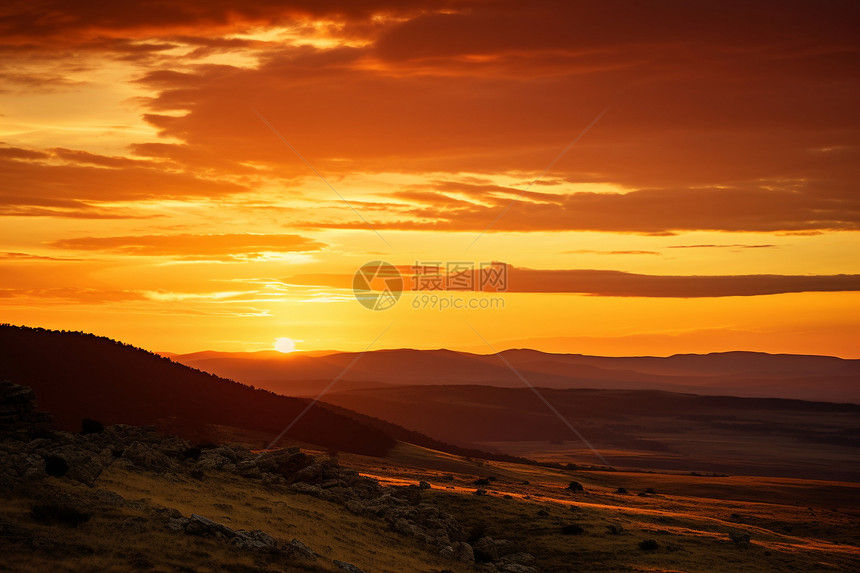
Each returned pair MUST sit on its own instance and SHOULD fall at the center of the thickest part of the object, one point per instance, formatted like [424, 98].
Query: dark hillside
[77, 375]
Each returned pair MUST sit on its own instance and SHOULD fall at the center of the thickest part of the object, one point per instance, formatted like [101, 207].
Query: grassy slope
[103, 544]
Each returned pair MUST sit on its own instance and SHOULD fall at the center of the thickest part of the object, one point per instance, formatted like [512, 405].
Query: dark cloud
[649, 211]
[737, 117]
[65, 295]
[68, 22]
[623, 284]
[62, 182]
[193, 247]
[732, 246]
[12, 257]
[593, 252]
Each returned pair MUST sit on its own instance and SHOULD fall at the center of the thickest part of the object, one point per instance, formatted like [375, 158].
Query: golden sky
[658, 177]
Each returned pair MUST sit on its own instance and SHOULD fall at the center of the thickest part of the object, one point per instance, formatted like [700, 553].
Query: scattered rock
[109, 497]
[347, 566]
[488, 549]
[575, 486]
[463, 552]
[518, 559]
[84, 467]
[298, 549]
[517, 568]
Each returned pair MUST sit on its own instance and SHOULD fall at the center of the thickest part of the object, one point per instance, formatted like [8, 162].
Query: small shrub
[575, 486]
[621, 490]
[614, 529]
[649, 491]
[481, 481]
[572, 529]
[59, 514]
[424, 485]
[56, 466]
[649, 545]
[90, 426]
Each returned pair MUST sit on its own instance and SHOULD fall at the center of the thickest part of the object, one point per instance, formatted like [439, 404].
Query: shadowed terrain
[642, 429]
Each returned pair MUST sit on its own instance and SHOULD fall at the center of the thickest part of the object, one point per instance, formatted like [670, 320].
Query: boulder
[84, 467]
[255, 539]
[347, 566]
[297, 549]
[146, 456]
[463, 552]
[491, 550]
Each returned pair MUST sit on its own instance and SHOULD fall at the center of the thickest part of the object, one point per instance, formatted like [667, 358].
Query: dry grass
[111, 541]
[799, 525]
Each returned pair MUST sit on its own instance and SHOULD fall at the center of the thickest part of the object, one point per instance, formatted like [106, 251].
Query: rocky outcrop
[18, 414]
[32, 454]
[255, 540]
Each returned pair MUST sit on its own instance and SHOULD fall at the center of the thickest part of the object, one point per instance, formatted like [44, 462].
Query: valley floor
[801, 525]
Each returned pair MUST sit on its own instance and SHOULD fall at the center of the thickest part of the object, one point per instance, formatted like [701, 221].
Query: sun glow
[285, 345]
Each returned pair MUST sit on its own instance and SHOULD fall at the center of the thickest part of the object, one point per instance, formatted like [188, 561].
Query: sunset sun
[285, 345]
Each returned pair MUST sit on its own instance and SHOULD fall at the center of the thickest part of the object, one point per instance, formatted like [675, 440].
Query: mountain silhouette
[77, 375]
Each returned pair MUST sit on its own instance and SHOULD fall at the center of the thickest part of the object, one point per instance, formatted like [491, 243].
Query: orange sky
[709, 200]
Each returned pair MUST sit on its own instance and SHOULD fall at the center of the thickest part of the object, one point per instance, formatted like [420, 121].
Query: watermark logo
[377, 285]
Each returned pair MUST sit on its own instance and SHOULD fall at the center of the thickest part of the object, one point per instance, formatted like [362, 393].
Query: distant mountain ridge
[745, 374]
